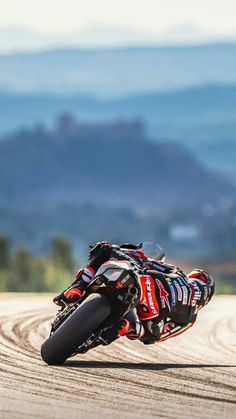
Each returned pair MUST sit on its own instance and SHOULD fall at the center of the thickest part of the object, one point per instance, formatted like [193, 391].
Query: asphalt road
[190, 376]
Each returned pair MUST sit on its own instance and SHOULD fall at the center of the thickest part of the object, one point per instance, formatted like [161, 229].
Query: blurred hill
[191, 115]
[117, 72]
[108, 181]
[74, 162]
[173, 181]
[202, 118]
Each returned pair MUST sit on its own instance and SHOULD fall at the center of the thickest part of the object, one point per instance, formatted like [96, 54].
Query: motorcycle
[78, 327]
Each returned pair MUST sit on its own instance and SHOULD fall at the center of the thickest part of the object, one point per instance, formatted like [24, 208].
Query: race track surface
[191, 376]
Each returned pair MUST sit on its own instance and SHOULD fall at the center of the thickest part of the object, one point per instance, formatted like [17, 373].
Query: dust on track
[193, 375]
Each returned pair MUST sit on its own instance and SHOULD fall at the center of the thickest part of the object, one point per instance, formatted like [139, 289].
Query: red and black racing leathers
[169, 299]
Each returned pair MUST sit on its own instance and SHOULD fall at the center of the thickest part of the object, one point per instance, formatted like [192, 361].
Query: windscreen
[153, 250]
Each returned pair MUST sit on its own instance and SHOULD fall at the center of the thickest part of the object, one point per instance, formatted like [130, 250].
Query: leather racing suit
[169, 299]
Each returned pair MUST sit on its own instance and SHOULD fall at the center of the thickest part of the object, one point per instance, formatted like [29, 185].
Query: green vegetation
[225, 287]
[21, 271]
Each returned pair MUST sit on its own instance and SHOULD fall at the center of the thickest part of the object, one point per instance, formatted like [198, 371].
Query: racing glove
[100, 253]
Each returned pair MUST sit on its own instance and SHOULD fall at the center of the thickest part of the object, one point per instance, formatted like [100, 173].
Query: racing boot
[122, 328]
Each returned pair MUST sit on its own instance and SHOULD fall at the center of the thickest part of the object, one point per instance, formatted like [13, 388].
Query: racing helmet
[206, 282]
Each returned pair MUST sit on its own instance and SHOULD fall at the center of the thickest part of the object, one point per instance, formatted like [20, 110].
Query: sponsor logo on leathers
[195, 293]
[163, 295]
[148, 307]
[185, 295]
[179, 291]
[173, 294]
[149, 295]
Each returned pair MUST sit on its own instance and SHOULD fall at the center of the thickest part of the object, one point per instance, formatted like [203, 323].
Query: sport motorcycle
[78, 327]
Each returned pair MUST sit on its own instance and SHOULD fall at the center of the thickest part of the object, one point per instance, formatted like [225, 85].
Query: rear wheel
[76, 329]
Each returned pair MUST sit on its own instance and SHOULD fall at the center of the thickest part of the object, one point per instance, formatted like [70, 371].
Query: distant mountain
[202, 118]
[218, 156]
[22, 39]
[101, 181]
[117, 72]
[190, 116]
[112, 165]
[196, 114]
[18, 38]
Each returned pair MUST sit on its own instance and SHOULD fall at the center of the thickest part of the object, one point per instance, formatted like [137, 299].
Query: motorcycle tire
[75, 330]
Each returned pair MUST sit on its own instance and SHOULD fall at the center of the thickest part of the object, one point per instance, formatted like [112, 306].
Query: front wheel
[76, 329]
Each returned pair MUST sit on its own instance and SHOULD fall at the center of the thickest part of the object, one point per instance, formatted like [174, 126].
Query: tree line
[22, 271]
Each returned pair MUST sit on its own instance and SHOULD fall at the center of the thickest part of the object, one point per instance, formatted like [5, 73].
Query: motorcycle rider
[169, 303]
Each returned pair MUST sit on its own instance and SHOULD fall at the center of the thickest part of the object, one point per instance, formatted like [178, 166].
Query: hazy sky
[215, 16]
